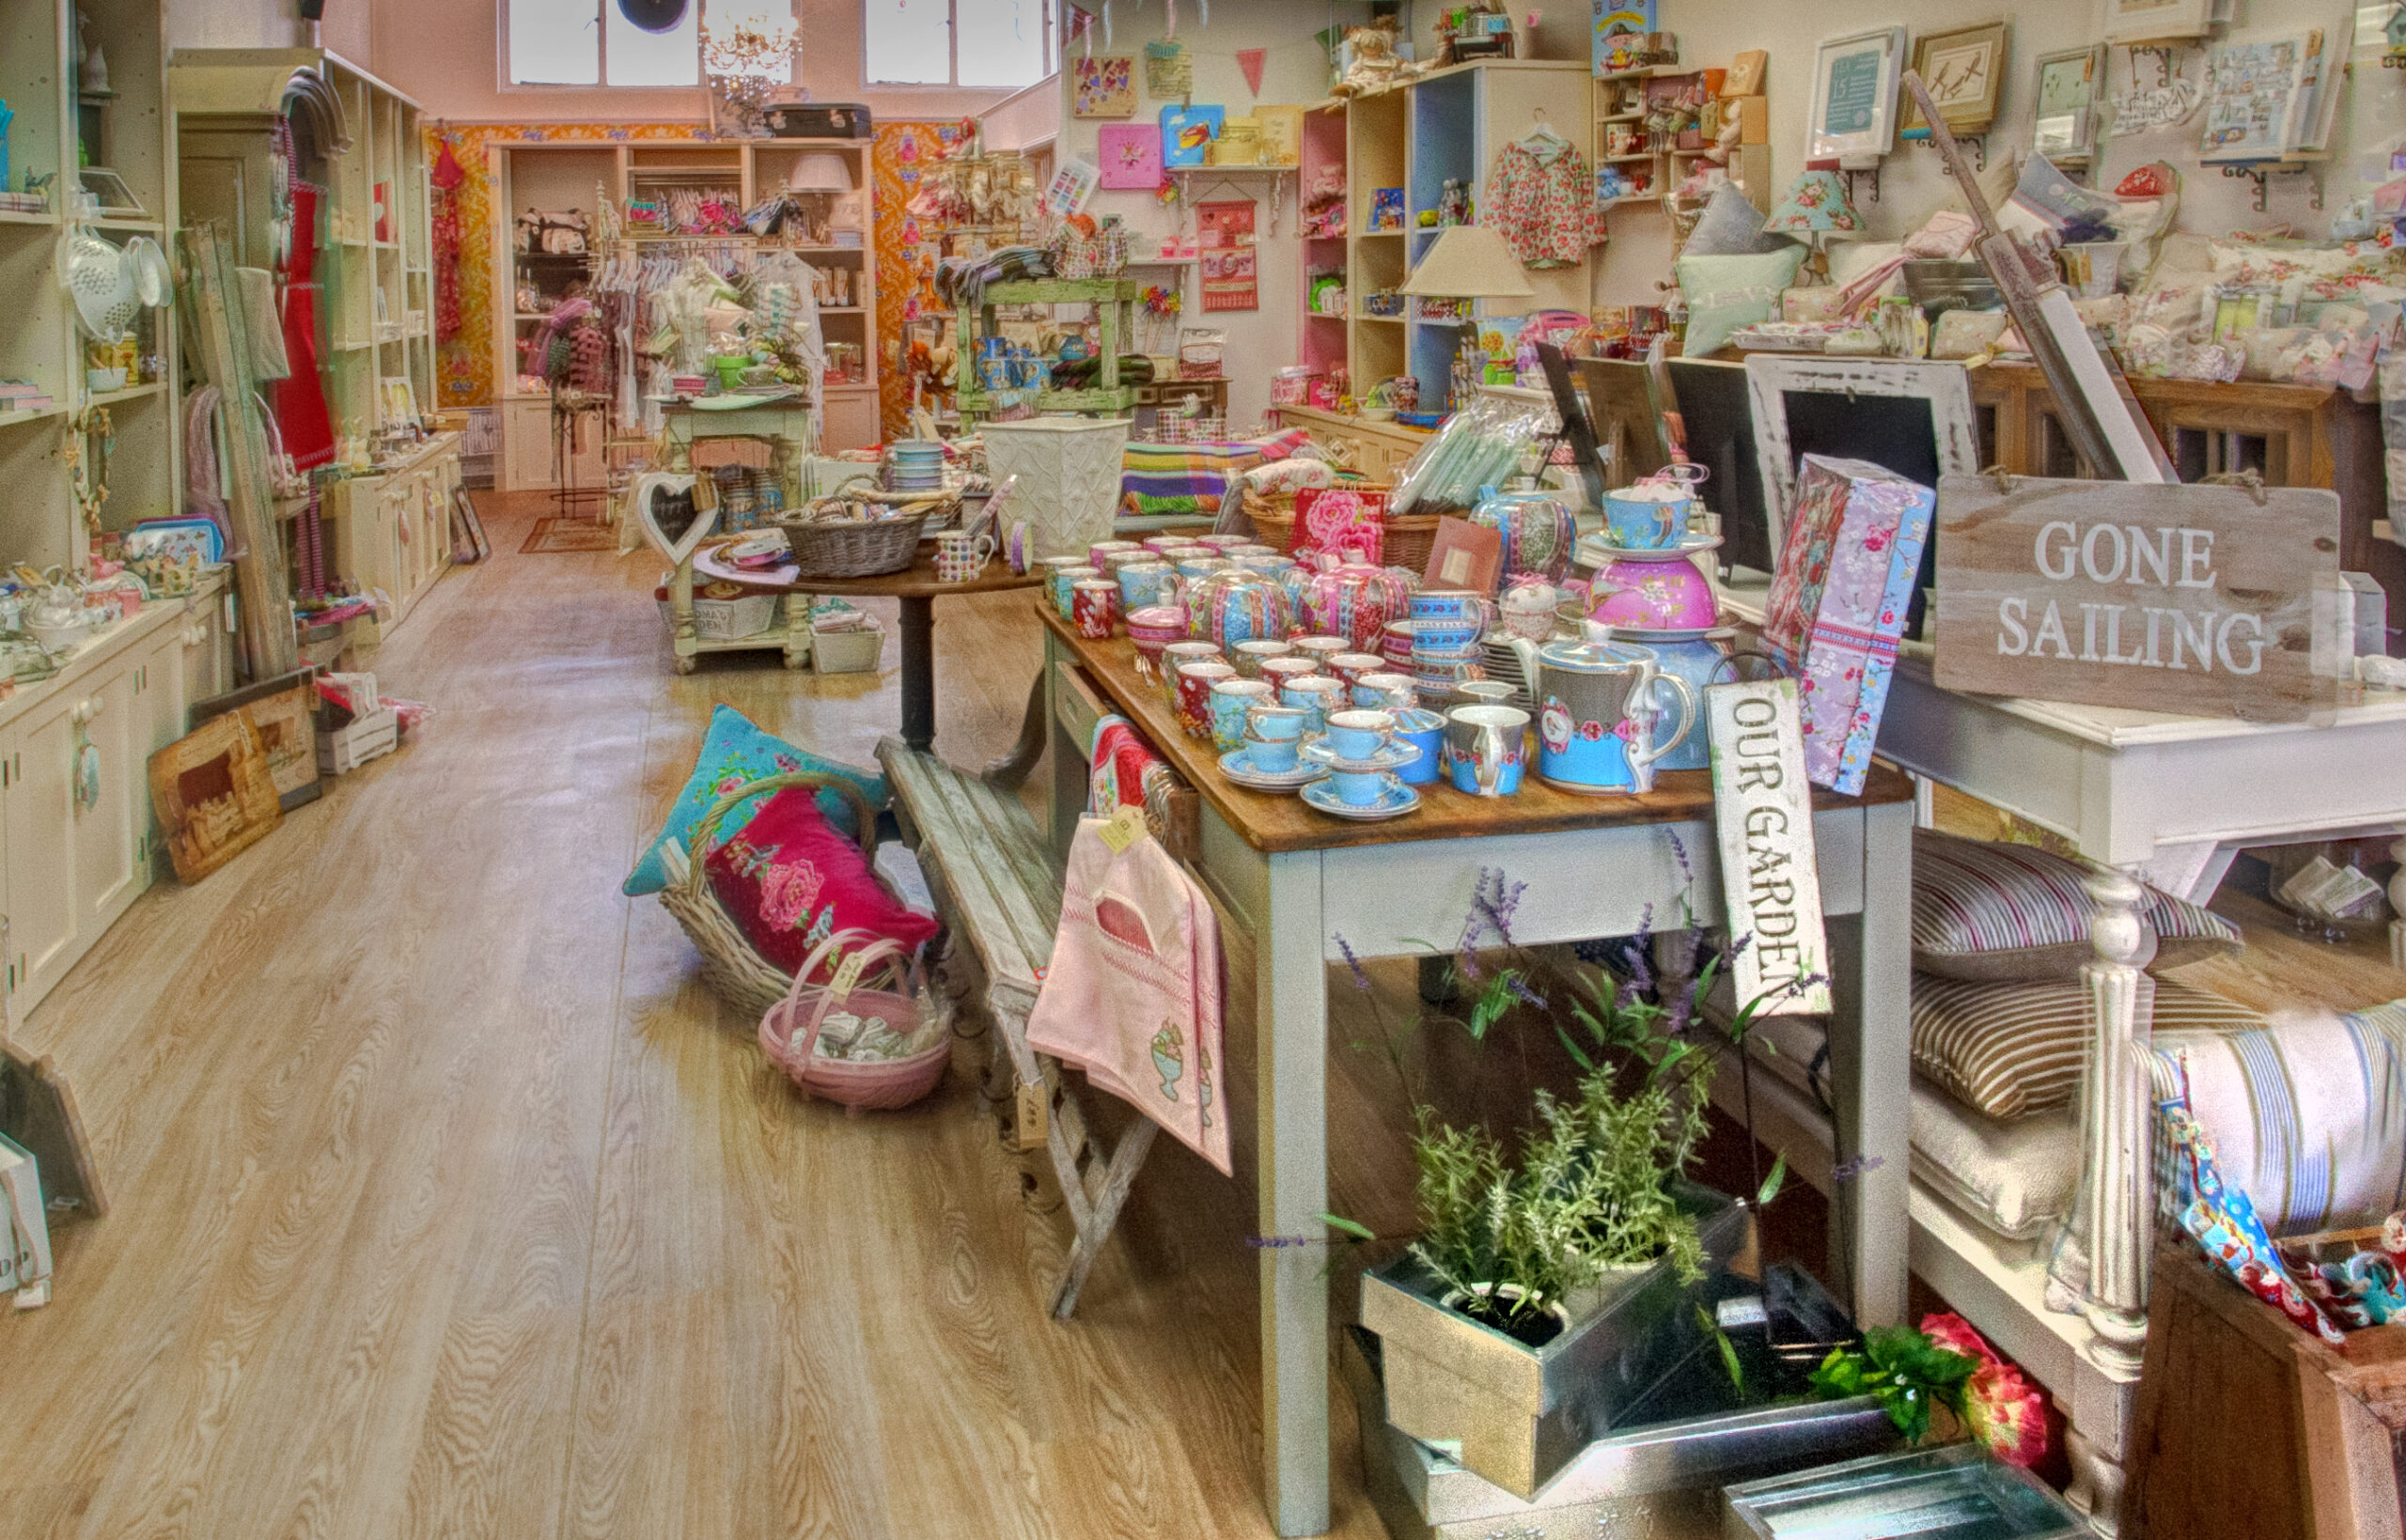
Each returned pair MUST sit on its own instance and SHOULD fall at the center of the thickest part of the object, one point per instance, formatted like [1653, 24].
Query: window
[628, 42]
[986, 44]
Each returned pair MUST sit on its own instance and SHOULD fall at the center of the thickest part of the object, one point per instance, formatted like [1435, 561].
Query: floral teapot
[1234, 605]
[1537, 528]
[1352, 599]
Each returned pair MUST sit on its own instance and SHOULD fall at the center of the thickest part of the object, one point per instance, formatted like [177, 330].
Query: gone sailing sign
[2208, 601]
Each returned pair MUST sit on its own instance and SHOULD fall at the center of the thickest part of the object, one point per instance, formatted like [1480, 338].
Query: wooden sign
[1770, 884]
[2208, 601]
[212, 790]
[283, 711]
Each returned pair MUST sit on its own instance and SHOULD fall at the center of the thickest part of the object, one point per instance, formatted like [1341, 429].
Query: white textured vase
[1069, 476]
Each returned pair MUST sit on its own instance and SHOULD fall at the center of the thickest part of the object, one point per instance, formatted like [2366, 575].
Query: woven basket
[789, 1029]
[853, 547]
[1407, 540]
[741, 977]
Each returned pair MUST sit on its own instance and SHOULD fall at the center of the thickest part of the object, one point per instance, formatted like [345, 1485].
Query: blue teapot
[1696, 660]
[1601, 708]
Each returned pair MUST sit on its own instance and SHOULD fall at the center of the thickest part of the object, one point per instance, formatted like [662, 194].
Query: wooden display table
[1594, 867]
[1114, 301]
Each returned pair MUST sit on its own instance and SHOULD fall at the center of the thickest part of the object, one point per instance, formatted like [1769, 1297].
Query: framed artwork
[2065, 123]
[283, 711]
[1131, 154]
[1854, 97]
[1103, 87]
[1073, 184]
[1964, 71]
[2155, 21]
[1227, 264]
[213, 791]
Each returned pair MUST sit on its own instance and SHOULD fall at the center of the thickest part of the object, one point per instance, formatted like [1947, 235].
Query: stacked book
[2273, 93]
[23, 396]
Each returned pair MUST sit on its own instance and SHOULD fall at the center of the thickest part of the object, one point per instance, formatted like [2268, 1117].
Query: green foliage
[1904, 1370]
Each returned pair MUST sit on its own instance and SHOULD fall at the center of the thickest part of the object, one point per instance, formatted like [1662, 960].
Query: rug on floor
[557, 533]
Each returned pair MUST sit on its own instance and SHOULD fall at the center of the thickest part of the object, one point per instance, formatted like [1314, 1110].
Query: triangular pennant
[1250, 61]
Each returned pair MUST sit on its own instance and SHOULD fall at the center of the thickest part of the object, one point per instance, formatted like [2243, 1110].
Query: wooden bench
[997, 885]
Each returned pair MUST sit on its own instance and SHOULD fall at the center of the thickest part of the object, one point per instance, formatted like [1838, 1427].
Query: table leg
[1012, 768]
[1290, 1029]
[680, 604]
[919, 672]
[1872, 1071]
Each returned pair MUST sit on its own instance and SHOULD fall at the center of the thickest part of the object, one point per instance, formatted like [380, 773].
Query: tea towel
[1133, 996]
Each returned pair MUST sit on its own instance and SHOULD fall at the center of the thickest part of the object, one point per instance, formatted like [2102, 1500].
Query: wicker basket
[853, 547]
[1407, 540]
[741, 977]
[789, 1029]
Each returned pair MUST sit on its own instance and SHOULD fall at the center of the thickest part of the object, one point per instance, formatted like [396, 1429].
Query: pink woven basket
[790, 1030]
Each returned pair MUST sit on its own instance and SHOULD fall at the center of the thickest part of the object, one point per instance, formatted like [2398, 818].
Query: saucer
[1237, 765]
[1394, 801]
[1595, 551]
[1392, 756]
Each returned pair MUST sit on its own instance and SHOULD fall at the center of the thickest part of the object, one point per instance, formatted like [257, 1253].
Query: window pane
[770, 19]
[554, 42]
[1002, 42]
[910, 42]
[640, 57]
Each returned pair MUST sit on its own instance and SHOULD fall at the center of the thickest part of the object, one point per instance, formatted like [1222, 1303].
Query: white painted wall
[270, 24]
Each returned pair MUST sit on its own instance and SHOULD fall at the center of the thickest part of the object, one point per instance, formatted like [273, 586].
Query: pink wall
[446, 53]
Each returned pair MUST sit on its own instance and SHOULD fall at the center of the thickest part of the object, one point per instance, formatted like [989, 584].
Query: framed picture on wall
[1964, 71]
[2065, 115]
[1854, 97]
[2153, 20]
[1103, 85]
[1131, 154]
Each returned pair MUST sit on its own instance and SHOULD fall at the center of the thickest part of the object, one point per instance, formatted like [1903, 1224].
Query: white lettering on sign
[1763, 815]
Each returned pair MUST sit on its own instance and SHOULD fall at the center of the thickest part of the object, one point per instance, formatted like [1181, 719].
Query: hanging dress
[301, 398]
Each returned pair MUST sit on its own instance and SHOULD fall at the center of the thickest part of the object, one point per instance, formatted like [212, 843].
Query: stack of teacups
[914, 465]
[1360, 753]
[1232, 704]
[1274, 736]
[1447, 624]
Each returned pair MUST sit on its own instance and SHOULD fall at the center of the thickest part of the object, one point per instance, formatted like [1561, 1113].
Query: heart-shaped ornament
[664, 507]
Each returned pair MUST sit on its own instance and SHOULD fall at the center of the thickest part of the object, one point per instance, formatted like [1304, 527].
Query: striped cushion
[1174, 478]
[2307, 1114]
[1983, 910]
[2012, 1048]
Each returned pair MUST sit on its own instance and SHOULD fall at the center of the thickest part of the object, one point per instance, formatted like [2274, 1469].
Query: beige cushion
[1986, 911]
[2010, 1049]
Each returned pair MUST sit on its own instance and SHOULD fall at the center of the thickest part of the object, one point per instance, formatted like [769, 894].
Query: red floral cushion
[789, 881]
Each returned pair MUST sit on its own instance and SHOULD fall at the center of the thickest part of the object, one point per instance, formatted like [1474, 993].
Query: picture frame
[2065, 90]
[117, 200]
[1103, 85]
[1965, 72]
[2156, 21]
[1853, 119]
[1131, 154]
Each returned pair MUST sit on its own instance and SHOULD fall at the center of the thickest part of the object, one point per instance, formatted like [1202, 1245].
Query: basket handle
[881, 946]
[707, 828]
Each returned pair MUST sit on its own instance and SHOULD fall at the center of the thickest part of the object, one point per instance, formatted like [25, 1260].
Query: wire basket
[1101, 254]
[1405, 540]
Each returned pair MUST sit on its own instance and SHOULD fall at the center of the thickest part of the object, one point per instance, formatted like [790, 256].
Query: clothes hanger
[1541, 134]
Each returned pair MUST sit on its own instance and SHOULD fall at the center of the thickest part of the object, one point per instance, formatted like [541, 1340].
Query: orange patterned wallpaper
[906, 254]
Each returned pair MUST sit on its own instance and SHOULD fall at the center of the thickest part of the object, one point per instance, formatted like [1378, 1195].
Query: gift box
[1838, 605]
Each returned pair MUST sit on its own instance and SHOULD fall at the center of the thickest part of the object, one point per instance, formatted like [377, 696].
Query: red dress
[301, 398]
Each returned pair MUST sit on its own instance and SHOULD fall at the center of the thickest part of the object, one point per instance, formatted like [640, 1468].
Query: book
[24, 1244]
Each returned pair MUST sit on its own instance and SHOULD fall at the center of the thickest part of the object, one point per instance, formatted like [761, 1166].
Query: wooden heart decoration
[664, 507]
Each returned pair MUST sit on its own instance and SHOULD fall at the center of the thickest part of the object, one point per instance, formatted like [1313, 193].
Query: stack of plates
[914, 465]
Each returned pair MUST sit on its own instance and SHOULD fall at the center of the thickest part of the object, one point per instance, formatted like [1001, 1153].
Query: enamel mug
[1094, 603]
[1194, 682]
[1177, 656]
[1487, 748]
[1231, 701]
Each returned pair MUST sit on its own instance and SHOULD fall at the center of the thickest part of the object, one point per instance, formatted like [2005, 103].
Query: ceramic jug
[1599, 704]
[1538, 530]
[1700, 661]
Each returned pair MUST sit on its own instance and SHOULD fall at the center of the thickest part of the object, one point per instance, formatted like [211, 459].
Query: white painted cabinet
[398, 528]
[39, 799]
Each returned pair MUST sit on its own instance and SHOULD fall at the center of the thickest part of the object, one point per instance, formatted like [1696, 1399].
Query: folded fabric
[2225, 1223]
[788, 881]
[1985, 910]
[2307, 1114]
[1123, 771]
[2008, 1048]
[1156, 479]
[733, 753]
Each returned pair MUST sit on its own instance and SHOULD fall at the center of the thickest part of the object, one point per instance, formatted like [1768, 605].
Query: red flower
[2004, 1411]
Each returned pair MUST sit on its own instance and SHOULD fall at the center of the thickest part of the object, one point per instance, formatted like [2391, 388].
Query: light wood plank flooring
[450, 1204]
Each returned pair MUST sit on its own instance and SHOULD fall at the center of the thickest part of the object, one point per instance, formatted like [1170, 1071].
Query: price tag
[1030, 1125]
[1126, 828]
[848, 975]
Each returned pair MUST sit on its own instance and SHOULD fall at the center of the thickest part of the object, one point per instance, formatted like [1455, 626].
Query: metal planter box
[1517, 1413]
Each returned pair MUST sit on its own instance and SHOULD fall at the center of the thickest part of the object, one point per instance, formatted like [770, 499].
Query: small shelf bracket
[2263, 172]
[1976, 144]
[1871, 174]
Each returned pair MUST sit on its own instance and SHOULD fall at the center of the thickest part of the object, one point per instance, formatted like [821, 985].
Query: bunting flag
[1250, 61]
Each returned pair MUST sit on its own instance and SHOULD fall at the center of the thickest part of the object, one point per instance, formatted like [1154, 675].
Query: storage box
[818, 121]
[1838, 602]
[344, 749]
[846, 652]
[1958, 1490]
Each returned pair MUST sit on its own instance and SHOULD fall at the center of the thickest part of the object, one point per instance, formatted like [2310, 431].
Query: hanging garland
[88, 464]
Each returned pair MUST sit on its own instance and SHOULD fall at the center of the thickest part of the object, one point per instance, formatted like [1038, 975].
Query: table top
[1274, 823]
[917, 580]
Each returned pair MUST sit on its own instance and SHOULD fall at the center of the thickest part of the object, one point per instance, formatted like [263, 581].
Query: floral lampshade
[1815, 210]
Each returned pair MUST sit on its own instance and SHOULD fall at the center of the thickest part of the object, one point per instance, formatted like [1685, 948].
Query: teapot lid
[1593, 657]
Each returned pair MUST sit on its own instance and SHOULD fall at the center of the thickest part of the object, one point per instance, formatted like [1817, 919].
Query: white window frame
[1051, 61]
[701, 76]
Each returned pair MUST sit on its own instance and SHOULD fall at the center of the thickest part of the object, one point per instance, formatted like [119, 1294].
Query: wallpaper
[906, 254]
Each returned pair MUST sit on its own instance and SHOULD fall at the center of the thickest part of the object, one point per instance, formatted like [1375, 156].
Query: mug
[1193, 568]
[1251, 655]
[1094, 603]
[1487, 747]
[1194, 682]
[1357, 735]
[961, 555]
[1165, 545]
[1386, 692]
[1444, 637]
[1454, 607]
[1221, 543]
[1099, 549]
[1424, 733]
[1269, 564]
[1352, 666]
[1142, 583]
[1177, 656]
[1110, 562]
[1061, 574]
[1272, 734]
[1231, 700]
[1317, 695]
[1650, 516]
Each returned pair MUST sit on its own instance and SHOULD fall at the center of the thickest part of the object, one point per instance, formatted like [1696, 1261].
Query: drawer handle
[86, 710]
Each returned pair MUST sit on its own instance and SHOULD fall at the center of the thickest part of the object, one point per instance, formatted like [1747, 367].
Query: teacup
[1060, 574]
[1268, 563]
[1385, 691]
[1650, 516]
[1251, 655]
[1094, 603]
[1273, 736]
[1177, 656]
[961, 556]
[1358, 734]
[1101, 549]
[1443, 636]
[1163, 545]
[1194, 685]
[1221, 543]
[1111, 562]
[1352, 666]
[1232, 700]
[1424, 733]
[1142, 583]
[1455, 607]
[1317, 695]
[1358, 788]
[1321, 648]
[1487, 748]
[1285, 666]
[1479, 692]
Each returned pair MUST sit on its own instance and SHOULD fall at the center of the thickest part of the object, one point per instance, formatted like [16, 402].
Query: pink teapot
[1355, 600]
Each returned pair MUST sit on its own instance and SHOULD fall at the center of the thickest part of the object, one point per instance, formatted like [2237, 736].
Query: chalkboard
[1721, 438]
[1909, 417]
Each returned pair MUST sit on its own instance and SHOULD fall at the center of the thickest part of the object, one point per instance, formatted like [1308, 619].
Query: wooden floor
[449, 1204]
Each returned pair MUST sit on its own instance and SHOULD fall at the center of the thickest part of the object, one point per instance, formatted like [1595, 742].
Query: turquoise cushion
[736, 752]
[1727, 292]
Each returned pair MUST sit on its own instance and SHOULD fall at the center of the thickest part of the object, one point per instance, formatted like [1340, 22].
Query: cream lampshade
[1469, 262]
[820, 171]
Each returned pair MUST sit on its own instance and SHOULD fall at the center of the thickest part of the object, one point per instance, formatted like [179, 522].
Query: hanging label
[1031, 1124]
[1125, 828]
[1770, 883]
[847, 975]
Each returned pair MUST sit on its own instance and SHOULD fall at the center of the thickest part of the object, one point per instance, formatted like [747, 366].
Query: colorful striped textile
[1985, 911]
[1191, 478]
[2011, 1048]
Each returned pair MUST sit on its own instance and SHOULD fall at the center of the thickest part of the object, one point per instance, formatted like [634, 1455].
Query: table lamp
[820, 176]
[1468, 262]
[1816, 210]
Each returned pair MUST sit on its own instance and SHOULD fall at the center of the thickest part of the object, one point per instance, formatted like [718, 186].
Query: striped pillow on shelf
[1985, 911]
[2010, 1048]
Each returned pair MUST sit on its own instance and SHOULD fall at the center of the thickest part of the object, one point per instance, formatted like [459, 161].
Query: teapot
[1599, 705]
[1537, 529]
[1355, 600]
[1234, 605]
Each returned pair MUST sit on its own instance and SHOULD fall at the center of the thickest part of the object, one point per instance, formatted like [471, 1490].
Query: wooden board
[283, 711]
[2206, 601]
[37, 1111]
[212, 790]
[1770, 880]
